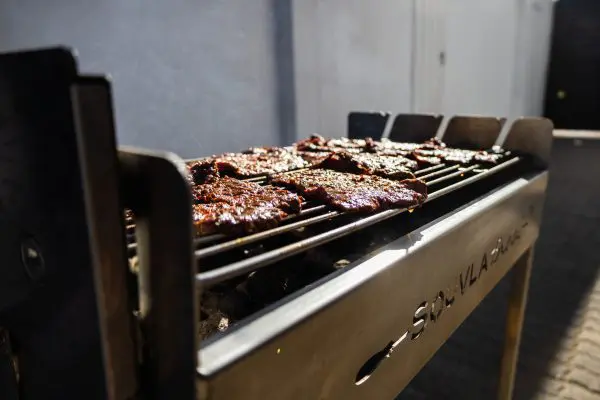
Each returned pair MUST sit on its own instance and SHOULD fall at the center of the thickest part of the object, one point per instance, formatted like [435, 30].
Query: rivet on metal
[32, 259]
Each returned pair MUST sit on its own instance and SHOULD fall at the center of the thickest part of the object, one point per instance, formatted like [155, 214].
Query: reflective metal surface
[156, 190]
[378, 323]
[530, 136]
[367, 331]
[97, 151]
[475, 131]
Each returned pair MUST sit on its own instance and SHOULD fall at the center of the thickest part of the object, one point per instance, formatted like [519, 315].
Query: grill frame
[153, 185]
[224, 370]
[254, 352]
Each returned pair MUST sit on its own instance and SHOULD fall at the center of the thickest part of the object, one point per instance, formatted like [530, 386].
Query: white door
[350, 55]
[429, 55]
[480, 56]
[533, 48]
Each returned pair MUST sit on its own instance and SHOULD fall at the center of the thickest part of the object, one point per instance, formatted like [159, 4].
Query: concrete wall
[351, 55]
[200, 77]
[194, 77]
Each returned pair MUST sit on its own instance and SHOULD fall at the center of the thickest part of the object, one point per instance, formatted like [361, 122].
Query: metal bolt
[32, 259]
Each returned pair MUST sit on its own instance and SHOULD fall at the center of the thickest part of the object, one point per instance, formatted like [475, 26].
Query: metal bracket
[94, 125]
[156, 190]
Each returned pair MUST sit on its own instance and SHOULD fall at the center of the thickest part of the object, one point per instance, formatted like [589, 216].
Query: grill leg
[514, 324]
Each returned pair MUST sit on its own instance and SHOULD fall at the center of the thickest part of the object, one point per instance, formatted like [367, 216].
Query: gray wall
[350, 55]
[194, 77]
[201, 77]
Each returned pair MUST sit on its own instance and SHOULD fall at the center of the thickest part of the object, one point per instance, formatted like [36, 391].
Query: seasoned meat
[458, 156]
[314, 157]
[255, 163]
[350, 192]
[229, 205]
[203, 171]
[230, 219]
[319, 143]
[426, 160]
[390, 148]
[392, 167]
[262, 150]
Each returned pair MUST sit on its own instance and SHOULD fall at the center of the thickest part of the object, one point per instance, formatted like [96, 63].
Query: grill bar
[439, 172]
[453, 175]
[132, 247]
[210, 251]
[429, 169]
[248, 265]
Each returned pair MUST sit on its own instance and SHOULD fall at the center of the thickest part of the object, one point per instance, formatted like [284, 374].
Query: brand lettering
[431, 311]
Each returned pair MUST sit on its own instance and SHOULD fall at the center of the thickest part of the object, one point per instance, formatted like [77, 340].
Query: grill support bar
[515, 315]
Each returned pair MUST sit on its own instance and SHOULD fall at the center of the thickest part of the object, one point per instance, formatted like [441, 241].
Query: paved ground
[560, 354]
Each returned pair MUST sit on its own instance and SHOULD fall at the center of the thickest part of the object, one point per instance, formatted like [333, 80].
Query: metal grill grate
[440, 179]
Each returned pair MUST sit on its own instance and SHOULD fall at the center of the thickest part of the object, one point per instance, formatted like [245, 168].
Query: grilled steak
[314, 157]
[350, 192]
[319, 143]
[203, 171]
[459, 156]
[255, 163]
[232, 206]
[389, 148]
[392, 167]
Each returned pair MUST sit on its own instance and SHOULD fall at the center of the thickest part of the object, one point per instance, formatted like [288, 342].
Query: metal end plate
[415, 127]
[357, 335]
[530, 135]
[474, 132]
[367, 124]
[157, 192]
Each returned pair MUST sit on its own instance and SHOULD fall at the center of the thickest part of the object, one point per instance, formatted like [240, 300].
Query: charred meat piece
[433, 143]
[457, 156]
[263, 150]
[230, 219]
[251, 164]
[231, 206]
[203, 171]
[434, 151]
[391, 167]
[426, 160]
[390, 148]
[320, 144]
[354, 193]
[314, 157]
[236, 192]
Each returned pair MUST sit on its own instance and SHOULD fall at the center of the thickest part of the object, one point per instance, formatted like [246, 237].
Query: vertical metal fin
[367, 124]
[94, 125]
[474, 132]
[415, 127]
[530, 135]
[158, 193]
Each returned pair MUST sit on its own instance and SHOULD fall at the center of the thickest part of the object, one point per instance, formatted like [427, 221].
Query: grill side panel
[370, 326]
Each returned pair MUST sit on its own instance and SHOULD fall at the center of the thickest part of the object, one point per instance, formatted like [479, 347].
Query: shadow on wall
[565, 269]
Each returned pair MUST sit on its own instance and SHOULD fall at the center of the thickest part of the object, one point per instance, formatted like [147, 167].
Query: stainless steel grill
[361, 331]
[441, 179]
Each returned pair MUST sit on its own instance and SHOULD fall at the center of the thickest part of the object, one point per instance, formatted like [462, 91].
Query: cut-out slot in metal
[365, 372]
